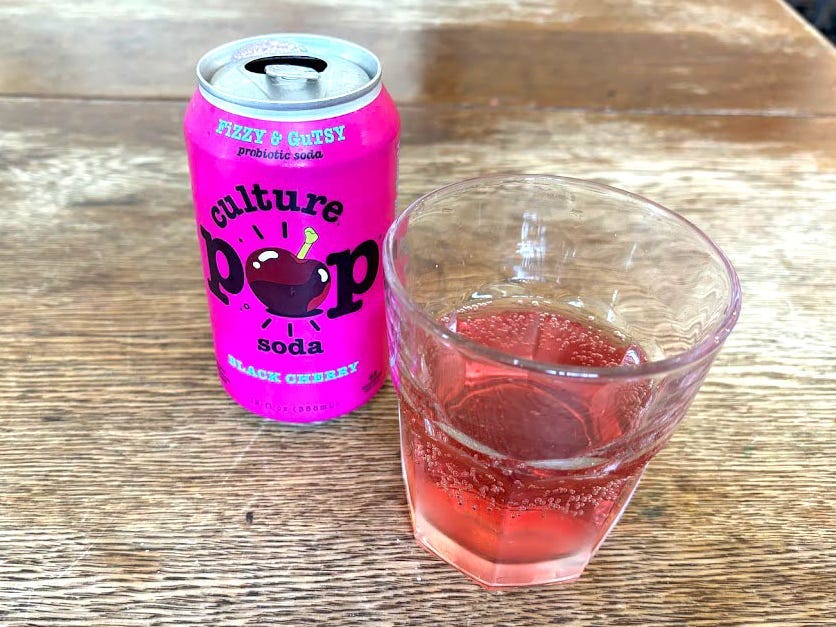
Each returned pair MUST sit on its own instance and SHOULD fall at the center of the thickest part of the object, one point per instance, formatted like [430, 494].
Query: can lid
[289, 71]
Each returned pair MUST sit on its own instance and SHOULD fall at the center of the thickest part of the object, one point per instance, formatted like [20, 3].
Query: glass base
[498, 576]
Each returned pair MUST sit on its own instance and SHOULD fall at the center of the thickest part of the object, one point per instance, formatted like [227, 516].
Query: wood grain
[668, 55]
[135, 492]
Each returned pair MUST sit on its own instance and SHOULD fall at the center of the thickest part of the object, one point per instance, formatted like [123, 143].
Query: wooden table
[133, 491]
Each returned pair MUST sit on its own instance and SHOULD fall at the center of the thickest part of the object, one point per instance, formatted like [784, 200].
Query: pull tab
[290, 74]
[279, 73]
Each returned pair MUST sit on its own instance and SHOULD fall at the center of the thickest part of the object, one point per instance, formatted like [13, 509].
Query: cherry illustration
[289, 285]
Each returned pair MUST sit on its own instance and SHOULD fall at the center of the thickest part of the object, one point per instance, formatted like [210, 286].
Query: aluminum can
[292, 144]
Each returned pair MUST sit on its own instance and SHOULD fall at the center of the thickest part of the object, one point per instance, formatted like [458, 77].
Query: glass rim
[700, 351]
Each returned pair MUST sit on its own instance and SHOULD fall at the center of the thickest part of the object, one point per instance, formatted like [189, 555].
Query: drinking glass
[547, 335]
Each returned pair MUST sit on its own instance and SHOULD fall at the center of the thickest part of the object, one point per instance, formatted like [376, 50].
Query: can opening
[259, 66]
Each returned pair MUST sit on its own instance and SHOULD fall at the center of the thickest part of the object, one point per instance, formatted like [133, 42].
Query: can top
[288, 72]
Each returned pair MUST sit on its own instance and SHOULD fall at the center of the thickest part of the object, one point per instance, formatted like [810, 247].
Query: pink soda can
[292, 143]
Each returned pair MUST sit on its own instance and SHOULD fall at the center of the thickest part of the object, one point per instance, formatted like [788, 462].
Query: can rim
[213, 60]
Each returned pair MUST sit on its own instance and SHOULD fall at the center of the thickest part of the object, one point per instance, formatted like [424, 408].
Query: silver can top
[288, 72]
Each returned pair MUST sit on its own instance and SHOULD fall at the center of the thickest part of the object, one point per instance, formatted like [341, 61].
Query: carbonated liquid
[512, 474]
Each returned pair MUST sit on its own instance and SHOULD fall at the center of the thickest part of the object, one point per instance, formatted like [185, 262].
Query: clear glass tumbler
[547, 335]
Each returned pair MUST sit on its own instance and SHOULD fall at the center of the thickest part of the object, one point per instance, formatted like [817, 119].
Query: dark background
[820, 13]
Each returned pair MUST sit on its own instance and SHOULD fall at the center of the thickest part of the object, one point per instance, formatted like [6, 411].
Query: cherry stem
[310, 237]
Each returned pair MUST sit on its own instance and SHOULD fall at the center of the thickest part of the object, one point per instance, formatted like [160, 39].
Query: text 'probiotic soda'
[292, 143]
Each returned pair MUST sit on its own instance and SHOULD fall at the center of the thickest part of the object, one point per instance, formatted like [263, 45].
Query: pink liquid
[506, 477]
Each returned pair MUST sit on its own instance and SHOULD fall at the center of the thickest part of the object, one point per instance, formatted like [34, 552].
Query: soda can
[292, 143]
